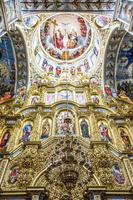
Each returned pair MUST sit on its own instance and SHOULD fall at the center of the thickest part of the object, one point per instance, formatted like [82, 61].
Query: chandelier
[68, 160]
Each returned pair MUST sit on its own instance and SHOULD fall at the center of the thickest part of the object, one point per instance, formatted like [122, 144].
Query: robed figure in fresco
[58, 39]
[26, 133]
[5, 139]
[118, 175]
[45, 129]
[13, 175]
[84, 128]
[104, 132]
[125, 140]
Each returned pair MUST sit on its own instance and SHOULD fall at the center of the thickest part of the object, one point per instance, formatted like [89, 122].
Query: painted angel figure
[104, 132]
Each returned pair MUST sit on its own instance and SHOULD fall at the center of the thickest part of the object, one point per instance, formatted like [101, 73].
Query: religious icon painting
[84, 128]
[4, 140]
[80, 98]
[65, 36]
[27, 130]
[117, 174]
[125, 139]
[65, 95]
[13, 175]
[104, 132]
[50, 98]
[46, 129]
[10, 10]
[65, 123]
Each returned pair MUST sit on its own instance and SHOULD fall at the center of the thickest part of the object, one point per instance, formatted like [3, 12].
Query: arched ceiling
[13, 65]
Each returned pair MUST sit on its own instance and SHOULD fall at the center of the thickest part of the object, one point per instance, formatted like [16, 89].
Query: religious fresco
[10, 10]
[124, 70]
[60, 62]
[71, 5]
[125, 139]
[65, 36]
[50, 98]
[13, 175]
[65, 95]
[4, 140]
[117, 174]
[84, 127]
[126, 11]
[1, 21]
[102, 21]
[7, 69]
[22, 72]
[27, 130]
[80, 98]
[110, 60]
[30, 22]
[46, 129]
[104, 132]
[65, 123]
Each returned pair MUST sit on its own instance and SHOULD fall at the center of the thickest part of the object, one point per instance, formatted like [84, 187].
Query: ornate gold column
[115, 134]
[3, 165]
[95, 136]
[87, 92]
[129, 168]
[35, 136]
[15, 136]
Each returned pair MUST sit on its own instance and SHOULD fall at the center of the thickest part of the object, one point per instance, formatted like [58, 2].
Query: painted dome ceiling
[66, 46]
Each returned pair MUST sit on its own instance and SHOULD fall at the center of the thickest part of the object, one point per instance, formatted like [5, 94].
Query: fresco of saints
[125, 139]
[118, 175]
[72, 39]
[26, 133]
[84, 128]
[58, 39]
[45, 129]
[58, 71]
[104, 132]
[5, 139]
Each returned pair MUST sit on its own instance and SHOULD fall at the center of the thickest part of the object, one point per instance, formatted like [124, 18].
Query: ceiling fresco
[110, 61]
[7, 69]
[106, 6]
[14, 71]
[126, 11]
[124, 68]
[65, 37]
[65, 46]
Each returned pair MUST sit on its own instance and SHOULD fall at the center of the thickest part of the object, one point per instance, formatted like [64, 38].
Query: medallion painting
[65, 37]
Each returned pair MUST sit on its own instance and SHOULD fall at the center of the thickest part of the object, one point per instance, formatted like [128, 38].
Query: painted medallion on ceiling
[65, 36]
[65, 46]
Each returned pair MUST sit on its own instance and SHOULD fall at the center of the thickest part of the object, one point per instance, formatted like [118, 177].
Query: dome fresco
[65, 36]
[65, 45]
